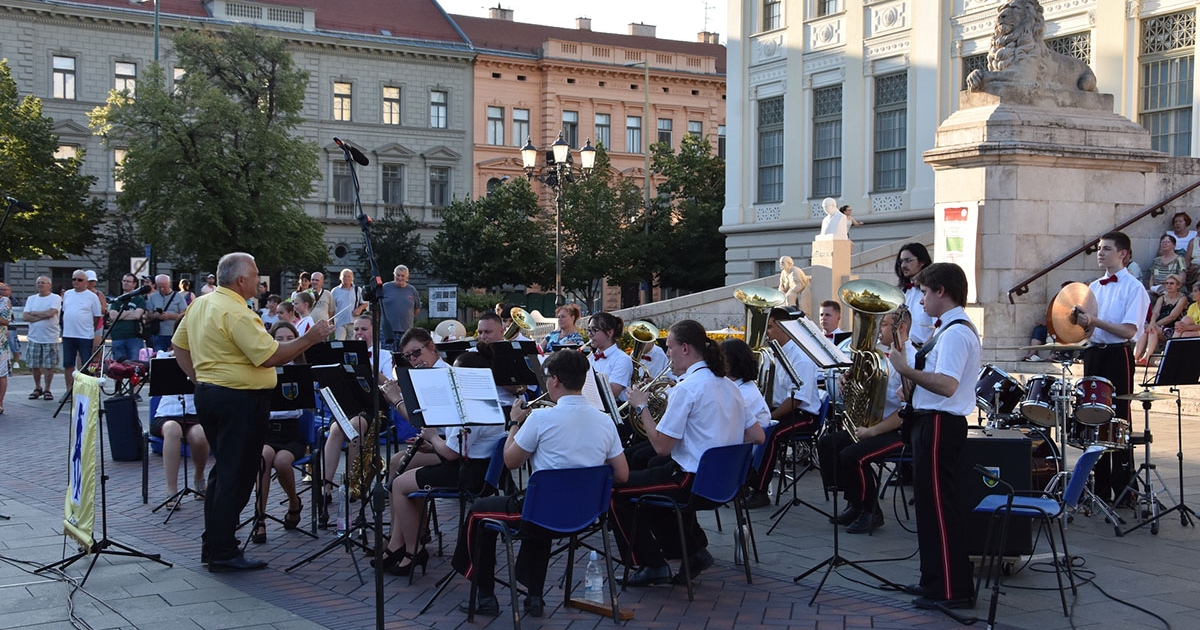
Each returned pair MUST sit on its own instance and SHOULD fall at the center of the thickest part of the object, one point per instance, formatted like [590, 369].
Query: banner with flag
[80, 506]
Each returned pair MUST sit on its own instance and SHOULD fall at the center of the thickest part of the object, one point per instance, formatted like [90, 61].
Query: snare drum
[995, 386]
[1093, 400]
[1113, 434]
[1038, 405]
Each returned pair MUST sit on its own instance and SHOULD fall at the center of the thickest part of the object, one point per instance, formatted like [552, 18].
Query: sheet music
[339, 415]
[475, 383]
[475, 403]
[591, 392]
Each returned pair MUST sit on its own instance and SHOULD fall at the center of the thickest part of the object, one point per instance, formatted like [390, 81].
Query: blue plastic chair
[719, 479]
[1035, 505]
[567, 502]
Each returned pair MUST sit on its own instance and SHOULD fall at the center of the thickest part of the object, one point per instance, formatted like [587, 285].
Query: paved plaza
[1154, 572]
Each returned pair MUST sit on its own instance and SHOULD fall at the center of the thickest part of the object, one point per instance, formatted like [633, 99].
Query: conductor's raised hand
[319, 332]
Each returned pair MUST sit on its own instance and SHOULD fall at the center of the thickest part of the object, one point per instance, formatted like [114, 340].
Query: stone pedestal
[830, 270]
[1051, 171]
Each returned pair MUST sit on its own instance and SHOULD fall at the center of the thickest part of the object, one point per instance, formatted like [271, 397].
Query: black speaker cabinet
[1009, 454]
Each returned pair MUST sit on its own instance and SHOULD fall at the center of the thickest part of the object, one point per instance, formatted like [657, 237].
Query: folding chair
[719, 479]
[1035, 505]
[567, 502]
[428, 496]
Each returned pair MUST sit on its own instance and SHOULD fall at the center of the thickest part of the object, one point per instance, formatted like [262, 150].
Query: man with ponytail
[705, 410]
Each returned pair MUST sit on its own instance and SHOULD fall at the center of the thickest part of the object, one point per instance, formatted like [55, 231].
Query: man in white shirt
[322, 300]
[348, 305]
[81, 314]
[830, 316]
[41, 351]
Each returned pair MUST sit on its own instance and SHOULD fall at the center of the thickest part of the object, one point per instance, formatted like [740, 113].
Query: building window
[342, 101]
[765, 269]
[695, 128]
[66, 152]
[343, 184]
[118, 160]
[664, 130]
[125, 78]
[64, 78]
[770, 150]
[772, 14]
[633, 134]
[391, 105]
[438, 112]
[177, 75]
[1077, 45]
[495, 125]
[1168, 68]
[827, 142]
[970, 64]
[520, 127]
[604, 130]
[891, 110]
[393, 184]
[439, 186]
[570, 128]
[721, 141]
[828, 7]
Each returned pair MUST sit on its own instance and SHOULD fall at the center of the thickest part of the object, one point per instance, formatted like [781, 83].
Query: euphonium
[657, 388]
[758, 302]
[644, 336]
[522, 322]
[865, 389]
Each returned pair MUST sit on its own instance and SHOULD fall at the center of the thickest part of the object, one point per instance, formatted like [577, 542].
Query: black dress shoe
[483, 606]
[929, 603]
[535, 607]
[757, 499]
[649, 576]
[698, 562]
[915, 589]
[866, 523]
[847, 516]
[238, 563]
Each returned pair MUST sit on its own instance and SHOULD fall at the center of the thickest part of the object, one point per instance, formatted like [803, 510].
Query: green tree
[687, 248]
[64, 217]
[213, 165]
[499, 239]
[596, 219]
[396, 242]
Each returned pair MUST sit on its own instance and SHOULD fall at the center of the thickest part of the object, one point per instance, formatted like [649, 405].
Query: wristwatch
[639, 409]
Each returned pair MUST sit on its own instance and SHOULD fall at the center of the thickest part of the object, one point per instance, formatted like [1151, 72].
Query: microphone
[354, 153]
[125, 297]
[22, 205]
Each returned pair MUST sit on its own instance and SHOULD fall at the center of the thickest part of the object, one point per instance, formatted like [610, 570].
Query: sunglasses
[412, 355]
[78, 279]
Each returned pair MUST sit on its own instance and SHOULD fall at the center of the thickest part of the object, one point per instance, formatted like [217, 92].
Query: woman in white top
[604, 329]
[303, 303]
[741, 367]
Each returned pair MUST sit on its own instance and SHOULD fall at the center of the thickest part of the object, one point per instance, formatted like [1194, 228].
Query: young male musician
[704, 410]
[571, 434]
[846, 463]
[1122, 304]
[943, 375]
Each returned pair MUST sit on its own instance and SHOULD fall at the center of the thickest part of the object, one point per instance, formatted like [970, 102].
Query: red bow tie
[829, 336]
[908, 286]
[598, 354]
[937, 323]
[645, 357]
[1112, 278]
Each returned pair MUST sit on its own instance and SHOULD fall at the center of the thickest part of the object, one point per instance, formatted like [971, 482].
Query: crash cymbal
[1075, 294]
[1145, 395]
[1059, 347]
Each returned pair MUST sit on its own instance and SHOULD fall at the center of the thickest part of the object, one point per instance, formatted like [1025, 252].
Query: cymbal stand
[1147, 498]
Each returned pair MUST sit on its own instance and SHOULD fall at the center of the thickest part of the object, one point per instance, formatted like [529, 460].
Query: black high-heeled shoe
[259, 535]
[390, 558]
[421, 558]
[323, 514]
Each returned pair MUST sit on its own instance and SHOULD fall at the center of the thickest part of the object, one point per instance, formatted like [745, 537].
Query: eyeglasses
[78, 279]
[409, 356]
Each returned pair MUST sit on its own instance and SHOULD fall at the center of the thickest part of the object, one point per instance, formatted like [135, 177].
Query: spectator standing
[347, 304]
[5, 351]
[41, 352]
[185, 289]
[14, 342]
[81, 314]
[401, 305]
[322, 299]
[210, 285]
[164, 308]
[126, 318]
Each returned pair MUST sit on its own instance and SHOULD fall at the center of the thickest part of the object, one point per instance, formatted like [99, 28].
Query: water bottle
[339, 507]
[593, 579]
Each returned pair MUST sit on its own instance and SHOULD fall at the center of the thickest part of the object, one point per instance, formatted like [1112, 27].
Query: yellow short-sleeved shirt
[227, 342]
[1193, 311]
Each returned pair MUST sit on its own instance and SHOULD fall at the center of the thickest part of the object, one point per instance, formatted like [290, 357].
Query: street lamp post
[557, 175]
[155, 23]
[649, 295]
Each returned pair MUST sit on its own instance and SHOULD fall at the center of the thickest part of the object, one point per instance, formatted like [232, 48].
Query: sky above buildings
[674, 19]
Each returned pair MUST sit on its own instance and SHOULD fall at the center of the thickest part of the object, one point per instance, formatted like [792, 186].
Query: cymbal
[1145, 395]
[1075, 294]
[1059, 347]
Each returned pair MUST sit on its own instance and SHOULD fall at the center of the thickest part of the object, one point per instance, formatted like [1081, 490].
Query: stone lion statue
[1019, 54]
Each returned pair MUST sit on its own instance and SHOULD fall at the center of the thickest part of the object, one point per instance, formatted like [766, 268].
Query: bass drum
[1046, 457]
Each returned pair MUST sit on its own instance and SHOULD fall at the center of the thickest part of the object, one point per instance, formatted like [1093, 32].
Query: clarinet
[409, 453]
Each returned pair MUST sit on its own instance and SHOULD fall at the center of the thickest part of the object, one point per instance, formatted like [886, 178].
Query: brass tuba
[644, 336]
[522, 322]
[865, 389]
[758, 302]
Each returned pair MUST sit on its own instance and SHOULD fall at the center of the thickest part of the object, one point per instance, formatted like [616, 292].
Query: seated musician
[846, 463]
[572, 434]
[174, 419]
[604, 330]
[284, 444]
[741, 367]
[793, 407]
[441, 464]
[332, 450]
[703, 411]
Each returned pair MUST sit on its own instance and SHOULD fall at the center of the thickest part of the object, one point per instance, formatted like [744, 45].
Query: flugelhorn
[866, 382]
[522, 322]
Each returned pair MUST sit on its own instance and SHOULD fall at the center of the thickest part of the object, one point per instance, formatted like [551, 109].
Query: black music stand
[513, 363]
[449, 350]
[347, 352]
[168, 379]
[1180, 365]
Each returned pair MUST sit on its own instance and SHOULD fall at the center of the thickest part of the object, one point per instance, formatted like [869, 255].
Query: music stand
[449, 350]
[168, 379]
[347, 352]
[512, 363]
[1180, 365]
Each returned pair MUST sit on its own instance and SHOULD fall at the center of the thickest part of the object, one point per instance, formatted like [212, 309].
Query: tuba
[644, 336]
[866, 382]
[522, 322]
[758, 302]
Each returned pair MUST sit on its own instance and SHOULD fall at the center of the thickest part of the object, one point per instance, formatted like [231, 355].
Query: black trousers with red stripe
[938, 440]
[475, 551]
[1114, 469]
[846, 464]
[799, 421]
[657, 535]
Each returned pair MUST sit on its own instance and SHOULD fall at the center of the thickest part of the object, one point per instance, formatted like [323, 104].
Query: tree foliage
[498, 239]
[396, 242]
[212, 165]
[64, 217]
[687, 248]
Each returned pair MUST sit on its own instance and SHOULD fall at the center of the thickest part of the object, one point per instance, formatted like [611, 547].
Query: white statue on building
[834, 227]
[792, 281]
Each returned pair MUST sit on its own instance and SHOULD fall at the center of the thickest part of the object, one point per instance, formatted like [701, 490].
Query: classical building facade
[841, 98]
[394, 79]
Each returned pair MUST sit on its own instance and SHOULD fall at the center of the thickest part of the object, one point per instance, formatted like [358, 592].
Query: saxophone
[367, 466]
[866, 382]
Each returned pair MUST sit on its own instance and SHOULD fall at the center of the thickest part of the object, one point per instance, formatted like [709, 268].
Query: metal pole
[649, 297]
[558, 203]
[156, 31]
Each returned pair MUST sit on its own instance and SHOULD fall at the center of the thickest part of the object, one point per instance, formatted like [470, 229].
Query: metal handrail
[1155, 210]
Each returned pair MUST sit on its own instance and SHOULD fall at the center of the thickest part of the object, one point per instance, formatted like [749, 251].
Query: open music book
[598, 393]
[455, 396]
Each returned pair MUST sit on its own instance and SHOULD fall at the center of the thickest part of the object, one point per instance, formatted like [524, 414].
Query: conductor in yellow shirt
[223, 348]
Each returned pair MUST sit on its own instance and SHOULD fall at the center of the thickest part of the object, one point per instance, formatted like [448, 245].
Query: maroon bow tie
[645, 357]
[598, 354]
[829, 336]
[1112, 278]
[937, 323]
[908, 286]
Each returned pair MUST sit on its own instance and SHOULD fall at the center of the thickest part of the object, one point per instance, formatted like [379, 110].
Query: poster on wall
[955, 236]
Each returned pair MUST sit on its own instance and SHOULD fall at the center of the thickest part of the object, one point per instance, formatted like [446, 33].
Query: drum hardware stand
[1146, 500]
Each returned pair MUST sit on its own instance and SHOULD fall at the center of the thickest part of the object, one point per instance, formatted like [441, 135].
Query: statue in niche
[1019, 55]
